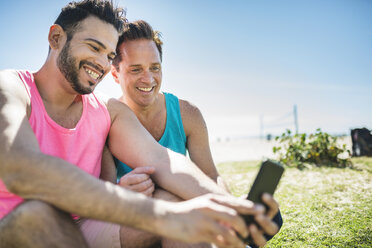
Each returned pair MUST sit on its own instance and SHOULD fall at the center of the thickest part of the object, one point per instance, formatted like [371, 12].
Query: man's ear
[57, 36]
[115, 74]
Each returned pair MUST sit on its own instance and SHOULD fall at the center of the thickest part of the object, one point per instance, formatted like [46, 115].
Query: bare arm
[137, 180]
[135, 146]
[108, 169]
[197, 141]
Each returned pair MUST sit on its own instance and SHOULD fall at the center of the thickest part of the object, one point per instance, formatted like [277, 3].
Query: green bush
[319, 149]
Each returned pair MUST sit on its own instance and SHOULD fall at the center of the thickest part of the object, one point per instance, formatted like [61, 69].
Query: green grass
[321, 207]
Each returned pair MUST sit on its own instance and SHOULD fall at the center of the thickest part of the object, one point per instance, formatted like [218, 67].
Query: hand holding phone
[266, 181]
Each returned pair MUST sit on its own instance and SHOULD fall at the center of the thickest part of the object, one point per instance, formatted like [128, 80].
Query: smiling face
[86, 58]
[139, 73]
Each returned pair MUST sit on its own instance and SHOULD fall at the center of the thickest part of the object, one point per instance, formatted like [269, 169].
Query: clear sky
[239, 61]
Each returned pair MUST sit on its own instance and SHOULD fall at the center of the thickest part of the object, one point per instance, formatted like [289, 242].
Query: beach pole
[295, 118]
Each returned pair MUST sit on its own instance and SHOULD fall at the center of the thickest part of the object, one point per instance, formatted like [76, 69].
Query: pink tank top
[81, 146]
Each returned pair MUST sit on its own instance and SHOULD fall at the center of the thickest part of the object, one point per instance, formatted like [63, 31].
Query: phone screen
[266, 180]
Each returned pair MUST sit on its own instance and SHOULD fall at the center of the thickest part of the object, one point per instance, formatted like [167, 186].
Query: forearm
[180, 176]
[173, 172]
[222, 184]
[132, 144]
[70, 189]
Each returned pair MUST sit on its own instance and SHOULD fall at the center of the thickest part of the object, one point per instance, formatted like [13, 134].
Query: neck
[145, 112]
[54, 89]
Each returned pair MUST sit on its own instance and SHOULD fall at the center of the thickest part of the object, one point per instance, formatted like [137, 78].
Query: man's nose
[147, 77]
[104, 62]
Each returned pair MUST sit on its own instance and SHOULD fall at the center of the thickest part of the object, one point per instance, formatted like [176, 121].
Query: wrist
[163, 214]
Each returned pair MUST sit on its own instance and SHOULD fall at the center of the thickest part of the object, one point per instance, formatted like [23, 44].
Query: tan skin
[29, 173]
[139, 75]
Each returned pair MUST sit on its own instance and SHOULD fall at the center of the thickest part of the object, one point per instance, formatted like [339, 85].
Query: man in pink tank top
[52, 135]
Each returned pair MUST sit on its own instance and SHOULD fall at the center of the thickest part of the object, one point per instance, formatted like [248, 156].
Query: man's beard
[66, 64]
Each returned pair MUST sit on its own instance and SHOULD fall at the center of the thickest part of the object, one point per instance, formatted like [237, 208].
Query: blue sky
[238, 61]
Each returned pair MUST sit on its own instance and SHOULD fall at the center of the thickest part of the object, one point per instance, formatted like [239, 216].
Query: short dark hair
[135, 31]
[75, 12]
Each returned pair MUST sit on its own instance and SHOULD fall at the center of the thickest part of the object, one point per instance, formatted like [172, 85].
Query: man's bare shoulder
[114, 106]
[189, 110]
[11, 87]
[8, 77]
[191, 116]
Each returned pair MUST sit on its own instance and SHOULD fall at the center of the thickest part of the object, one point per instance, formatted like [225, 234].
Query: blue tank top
[173, 137]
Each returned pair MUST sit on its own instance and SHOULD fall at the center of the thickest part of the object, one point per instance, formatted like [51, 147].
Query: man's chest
[156, 125]
[67, 118]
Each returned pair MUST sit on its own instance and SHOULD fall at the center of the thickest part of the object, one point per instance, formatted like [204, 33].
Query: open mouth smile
[94, 71]
[144, 89]
[93, 74]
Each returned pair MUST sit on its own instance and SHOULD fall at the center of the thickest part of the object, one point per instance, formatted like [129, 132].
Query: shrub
[319, 149]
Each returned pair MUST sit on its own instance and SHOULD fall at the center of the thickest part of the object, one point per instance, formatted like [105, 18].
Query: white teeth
[92, 74]
[145, 89]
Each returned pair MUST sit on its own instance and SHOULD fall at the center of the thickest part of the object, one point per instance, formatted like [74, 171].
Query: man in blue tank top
[174, 123]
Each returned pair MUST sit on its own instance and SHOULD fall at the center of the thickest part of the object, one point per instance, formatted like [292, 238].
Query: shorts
[100, 234]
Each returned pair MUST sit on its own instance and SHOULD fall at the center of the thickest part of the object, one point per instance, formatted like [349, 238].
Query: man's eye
[155, 68]
[94, 48]
[135, 70]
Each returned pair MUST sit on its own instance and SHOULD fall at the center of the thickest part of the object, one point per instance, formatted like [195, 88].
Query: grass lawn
[321, 207]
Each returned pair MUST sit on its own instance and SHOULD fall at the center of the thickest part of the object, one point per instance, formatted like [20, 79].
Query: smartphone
[266, 180]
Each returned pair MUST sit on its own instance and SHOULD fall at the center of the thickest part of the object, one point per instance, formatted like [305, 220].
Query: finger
[135, 178]
[266, 224]
[257, 236]
[123, 181]
[148, 192]
[223, 236]
[143, 170]
[243, 196]
[228, 215]
[237, 242]
[273, 206]
[129, 187]
[240, 205]
[142, 186]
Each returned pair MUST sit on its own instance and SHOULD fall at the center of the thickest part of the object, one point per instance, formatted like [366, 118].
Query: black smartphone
[267, 180]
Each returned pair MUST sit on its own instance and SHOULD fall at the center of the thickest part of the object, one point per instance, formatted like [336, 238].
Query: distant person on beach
[174, 123]
[53, 129]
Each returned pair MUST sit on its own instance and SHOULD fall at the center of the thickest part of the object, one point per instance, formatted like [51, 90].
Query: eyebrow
[100, 44]
[138, 65]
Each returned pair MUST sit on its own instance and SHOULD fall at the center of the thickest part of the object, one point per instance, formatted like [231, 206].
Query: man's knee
[35, 211]
[35, 216]
[31, 224]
